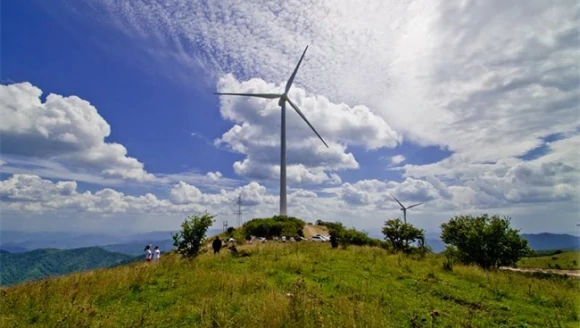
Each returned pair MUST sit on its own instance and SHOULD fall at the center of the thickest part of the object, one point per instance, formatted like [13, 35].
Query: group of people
[155, 255]
[217, 245]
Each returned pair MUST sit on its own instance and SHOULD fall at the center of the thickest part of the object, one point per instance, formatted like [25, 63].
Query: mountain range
[18, 241]
[41, 263]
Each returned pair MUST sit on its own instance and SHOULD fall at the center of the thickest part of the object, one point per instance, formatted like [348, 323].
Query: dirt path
[313, 230]
[573, 273]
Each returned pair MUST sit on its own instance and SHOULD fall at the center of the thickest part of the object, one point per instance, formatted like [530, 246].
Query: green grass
[567, 261]
[294, 285]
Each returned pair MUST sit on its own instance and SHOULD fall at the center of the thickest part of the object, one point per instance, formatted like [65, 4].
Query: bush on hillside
[403, 235]
[335, 230]
[230, 231]
[486, 241]
[274, 226]
[354, 237]
[191, 238]
[345, 237]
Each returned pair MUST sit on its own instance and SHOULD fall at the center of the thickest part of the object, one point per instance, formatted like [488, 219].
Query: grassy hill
[566, 261]
[294, 285]
[40, 263]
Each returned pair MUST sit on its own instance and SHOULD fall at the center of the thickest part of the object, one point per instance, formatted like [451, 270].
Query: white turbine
[404, 209]
[283, 98]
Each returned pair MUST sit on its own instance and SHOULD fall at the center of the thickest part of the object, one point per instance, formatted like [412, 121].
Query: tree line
[486, 241]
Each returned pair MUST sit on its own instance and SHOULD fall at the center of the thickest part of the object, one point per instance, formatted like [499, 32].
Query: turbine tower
[239, 213]
[283, 99]
[404, 209]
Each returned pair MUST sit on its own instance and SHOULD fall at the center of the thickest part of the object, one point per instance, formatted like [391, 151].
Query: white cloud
[552, 178]
[364, 204]
[256, 133]
[214, 175]
[469, 76]
[25, 193]
[64, 138]
[63, 129]
[486, 80]
[397, 159]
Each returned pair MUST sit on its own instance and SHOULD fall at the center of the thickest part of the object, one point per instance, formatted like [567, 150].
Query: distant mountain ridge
[18, 241]
[41, 263]
[537, 241]
[132, 244]
[546, 241]
[136, 248]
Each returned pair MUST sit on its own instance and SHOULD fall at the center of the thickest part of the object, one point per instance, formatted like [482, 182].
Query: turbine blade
[258, 95]
[291, 80]
[305, 120]
[414, 205]
[402, 207]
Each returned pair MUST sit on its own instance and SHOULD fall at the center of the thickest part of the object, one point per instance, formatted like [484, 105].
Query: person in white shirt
[156, 254]
[148, 253]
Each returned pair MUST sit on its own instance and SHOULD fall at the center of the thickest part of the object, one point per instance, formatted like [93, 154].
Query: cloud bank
[496, 84]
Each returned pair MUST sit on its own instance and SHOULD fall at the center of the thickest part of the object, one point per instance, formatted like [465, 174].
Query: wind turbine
[403, 208]
[283, 98]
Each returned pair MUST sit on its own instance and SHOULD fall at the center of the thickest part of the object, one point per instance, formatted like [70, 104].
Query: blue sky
[134, 139]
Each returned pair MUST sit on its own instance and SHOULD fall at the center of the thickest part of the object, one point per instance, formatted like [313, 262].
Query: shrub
[274, 226]
[230, 231]
[486, 241]
[189, 241]
[451, 253]
[345, 237]
[400, 234]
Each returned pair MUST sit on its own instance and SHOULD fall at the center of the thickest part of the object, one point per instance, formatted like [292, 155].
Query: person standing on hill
[147, 251]
[156, 254]
[217, 245]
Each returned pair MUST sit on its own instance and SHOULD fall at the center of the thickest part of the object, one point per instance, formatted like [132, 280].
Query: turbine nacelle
[283, 98]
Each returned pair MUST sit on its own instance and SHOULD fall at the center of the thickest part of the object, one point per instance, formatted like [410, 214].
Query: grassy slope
[40, 263]
[568, 260]
[329, 288]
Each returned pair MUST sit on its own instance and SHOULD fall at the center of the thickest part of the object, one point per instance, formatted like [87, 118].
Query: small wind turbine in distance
[404, 209]
[283, 98]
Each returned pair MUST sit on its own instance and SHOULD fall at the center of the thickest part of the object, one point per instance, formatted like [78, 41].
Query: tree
[230, 231]
[486, 241]
[189, 241]
[336, 231]
[399, 234]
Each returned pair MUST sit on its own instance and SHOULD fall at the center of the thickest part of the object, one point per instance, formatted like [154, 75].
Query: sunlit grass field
[294, 285]
[565, 261]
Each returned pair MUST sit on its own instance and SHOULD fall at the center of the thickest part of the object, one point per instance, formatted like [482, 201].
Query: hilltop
[294, 285]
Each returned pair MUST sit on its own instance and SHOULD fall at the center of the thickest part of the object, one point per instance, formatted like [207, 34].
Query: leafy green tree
[190, 240]
[400, 234]
[486, 241]
[336, 230]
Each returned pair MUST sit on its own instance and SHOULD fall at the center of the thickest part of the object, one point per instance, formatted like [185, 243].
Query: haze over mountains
[18, 242]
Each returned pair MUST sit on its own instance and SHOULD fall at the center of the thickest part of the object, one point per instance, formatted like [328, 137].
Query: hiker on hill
[147, 251]
[156, 254]
[217, 245]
